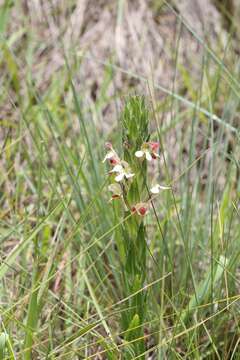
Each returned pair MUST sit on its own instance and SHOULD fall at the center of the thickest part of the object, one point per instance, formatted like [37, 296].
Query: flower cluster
[121, 176]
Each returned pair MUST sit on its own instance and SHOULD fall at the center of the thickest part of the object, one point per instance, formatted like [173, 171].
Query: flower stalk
[129, 189]
[135, 121]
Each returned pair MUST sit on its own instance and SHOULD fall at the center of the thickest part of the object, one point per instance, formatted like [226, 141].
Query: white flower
[148, 150]
[123, 171]
[116, 191]
[142, 153]
[111, 155]
[156, 188]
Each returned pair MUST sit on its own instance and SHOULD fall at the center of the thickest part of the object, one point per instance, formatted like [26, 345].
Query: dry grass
[139, 37]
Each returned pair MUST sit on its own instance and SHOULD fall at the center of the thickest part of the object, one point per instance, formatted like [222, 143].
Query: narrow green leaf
[204, 288]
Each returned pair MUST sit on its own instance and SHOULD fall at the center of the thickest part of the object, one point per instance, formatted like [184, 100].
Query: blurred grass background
[66, 70]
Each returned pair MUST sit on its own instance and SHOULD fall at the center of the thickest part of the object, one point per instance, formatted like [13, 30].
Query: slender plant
[129, 183]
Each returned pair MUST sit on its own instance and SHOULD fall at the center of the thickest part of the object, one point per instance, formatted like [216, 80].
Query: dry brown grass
[141, 40]
[139, 37]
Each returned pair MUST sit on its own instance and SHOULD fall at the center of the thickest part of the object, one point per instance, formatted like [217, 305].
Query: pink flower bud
[154, 145]
[142, 210]
[108, 145]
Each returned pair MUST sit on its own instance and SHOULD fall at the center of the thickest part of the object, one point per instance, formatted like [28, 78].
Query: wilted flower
[140, 208]
[116, 191]
[123, 171]
[111, 155]
[156, 188]
[148, 150]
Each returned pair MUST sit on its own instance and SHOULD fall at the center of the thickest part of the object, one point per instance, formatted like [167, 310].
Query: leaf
[133, 326]
[204, 288]
[3, 343]
[4, 14]
[31, 321]
[22, 244]
[111, 353]
[12, 68]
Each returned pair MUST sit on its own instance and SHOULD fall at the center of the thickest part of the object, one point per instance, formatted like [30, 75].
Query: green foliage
[3, 344]
[135, 124]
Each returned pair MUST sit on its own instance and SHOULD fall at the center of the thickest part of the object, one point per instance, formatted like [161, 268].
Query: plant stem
[135, 132]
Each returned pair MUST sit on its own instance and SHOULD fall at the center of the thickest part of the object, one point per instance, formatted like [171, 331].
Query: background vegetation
[67, 68]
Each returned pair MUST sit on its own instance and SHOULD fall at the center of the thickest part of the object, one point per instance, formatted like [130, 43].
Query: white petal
[130, 175]
[109, 155]
[139, 153]
[113, 198]
[156, 188]
[117, 168]
[148, 156]
[115, 189]
[164, 187]
[119, 177]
